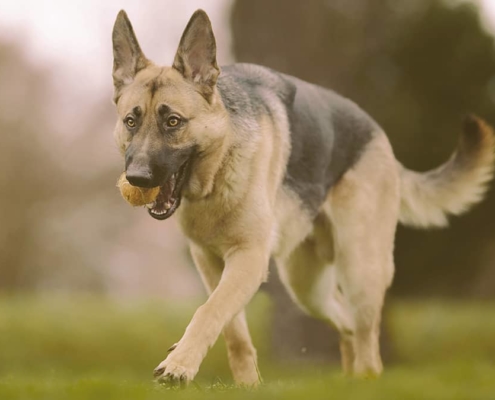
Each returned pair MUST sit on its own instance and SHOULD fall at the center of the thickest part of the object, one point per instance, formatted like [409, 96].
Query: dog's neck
[220, 168]
[204, 170]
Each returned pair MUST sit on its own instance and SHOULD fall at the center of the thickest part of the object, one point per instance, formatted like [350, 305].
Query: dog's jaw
[170, 196]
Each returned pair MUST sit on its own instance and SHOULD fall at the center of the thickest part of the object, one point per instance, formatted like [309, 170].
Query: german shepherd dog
[257, 164]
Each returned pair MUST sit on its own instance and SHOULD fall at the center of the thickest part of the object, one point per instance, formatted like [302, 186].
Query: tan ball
[136, 196]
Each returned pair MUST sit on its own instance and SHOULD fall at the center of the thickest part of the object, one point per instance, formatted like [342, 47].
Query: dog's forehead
[160, 85]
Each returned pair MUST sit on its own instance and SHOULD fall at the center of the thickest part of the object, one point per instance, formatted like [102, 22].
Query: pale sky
[75, 34]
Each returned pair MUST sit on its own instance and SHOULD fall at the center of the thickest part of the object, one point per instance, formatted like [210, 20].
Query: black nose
[141, 177]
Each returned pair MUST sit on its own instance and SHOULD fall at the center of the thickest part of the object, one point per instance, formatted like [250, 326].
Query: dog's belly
[293, 223]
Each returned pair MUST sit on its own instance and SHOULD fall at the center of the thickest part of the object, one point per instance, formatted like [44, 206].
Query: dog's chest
[206, 223]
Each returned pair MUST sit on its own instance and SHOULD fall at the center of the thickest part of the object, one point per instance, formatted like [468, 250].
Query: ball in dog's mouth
[136, 196]
[169, 196]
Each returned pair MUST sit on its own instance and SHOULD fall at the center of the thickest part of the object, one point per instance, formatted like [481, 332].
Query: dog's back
[328, 132]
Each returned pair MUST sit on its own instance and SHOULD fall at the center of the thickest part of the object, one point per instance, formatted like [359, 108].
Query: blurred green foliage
[89, 347]
[75, 335]
[437, 382]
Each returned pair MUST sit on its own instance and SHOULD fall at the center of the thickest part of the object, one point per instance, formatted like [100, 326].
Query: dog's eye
[173, 121]
[130, 122]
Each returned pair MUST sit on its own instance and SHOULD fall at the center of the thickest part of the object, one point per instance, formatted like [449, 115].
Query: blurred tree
[45, 232]
[417, 67]
[27, 170]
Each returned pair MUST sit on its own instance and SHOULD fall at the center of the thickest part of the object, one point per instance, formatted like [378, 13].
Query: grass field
[90, 348]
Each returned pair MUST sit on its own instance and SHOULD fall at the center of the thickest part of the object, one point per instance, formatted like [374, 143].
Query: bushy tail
[428, 198]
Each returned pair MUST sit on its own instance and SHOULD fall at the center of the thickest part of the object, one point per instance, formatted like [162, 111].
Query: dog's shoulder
[251, 90]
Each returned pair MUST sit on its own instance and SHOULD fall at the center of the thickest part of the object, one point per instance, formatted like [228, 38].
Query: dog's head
[168, 116]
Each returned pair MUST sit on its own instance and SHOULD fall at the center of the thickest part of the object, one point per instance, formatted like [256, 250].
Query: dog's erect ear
[196, 56]
[128, 59]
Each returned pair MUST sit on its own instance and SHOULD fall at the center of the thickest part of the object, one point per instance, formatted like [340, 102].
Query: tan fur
[237, 212]
[341, 271]
[242, 354]
[227, 211]
[452, 188]
[234, 222]
[205, 118]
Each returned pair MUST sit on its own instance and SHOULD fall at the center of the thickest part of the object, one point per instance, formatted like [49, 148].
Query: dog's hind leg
[310, 278]
[348, 294]
[340, 273]
[241, 352]
[364, 208]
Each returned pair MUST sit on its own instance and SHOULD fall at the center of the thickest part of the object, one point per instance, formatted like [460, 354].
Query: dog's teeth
[168, 205]
[151, 205]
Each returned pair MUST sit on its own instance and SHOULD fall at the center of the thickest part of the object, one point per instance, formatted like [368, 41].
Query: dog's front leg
[243, 274]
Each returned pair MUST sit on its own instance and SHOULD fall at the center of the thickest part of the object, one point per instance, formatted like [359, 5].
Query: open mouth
[169, 197]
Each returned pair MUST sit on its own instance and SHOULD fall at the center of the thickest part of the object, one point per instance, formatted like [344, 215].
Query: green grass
[448, 381]
[92, 348]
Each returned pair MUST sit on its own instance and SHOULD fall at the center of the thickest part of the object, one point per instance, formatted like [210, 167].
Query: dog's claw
[158, 372]
[178, 369]
[173, 381]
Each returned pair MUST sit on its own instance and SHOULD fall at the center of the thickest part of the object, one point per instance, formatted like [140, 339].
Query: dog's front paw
[177, 369]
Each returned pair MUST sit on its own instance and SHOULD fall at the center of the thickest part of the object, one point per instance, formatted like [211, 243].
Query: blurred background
[72, 251]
